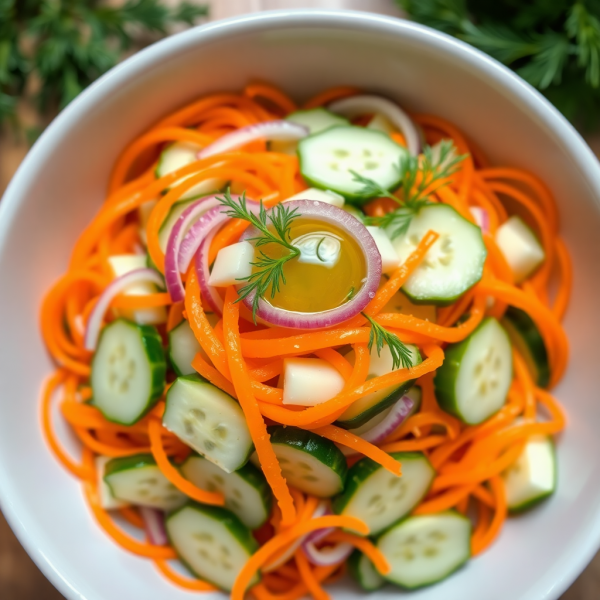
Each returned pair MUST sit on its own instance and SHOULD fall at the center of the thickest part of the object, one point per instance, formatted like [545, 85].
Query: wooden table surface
[19, 577]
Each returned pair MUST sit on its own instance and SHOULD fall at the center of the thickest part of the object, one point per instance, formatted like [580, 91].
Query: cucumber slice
[528, 340]
[247, 493]
[363, 571]
[377, 497]
[473, 381]
[107, 500]
[309, 462]
[183, 346]
[327, 158]
[316, 119]
[181, 154]
[212, 542]
[532, 477]
[209, 421]
[452, 265]
[138, 480]
[128, 371]
[366, 408]
[426, 549]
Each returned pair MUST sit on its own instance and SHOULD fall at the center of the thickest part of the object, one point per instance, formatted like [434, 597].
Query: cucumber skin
[124, 463]
[312, 444]
[155, 355]
[534, 342]
[254, 477]
[360, 471]
[354, 570]
[355, 199]
[446, 575]
[446, 375]
[233, 524]
[368, 414]
[529, 504]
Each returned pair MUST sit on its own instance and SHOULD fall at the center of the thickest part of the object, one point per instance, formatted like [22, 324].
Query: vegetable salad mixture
[296, 342]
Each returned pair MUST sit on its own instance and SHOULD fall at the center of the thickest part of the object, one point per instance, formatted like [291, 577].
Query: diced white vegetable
[326, 196]
[124, 263]
[381, 123]
[389, 257]
[520, 247]
[232, 264]
[309, 381]
[107, 500]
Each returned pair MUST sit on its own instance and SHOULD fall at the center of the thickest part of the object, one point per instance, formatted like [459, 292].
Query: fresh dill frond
[419, 178]
[401, 355]
[269, 271]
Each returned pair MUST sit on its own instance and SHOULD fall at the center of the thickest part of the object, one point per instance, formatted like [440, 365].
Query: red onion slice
[208, 292]
[345, 221]
[482, 218]
[328, 556]
[284, 131]
[355, 106]
[154, 525]
[116, 286]
[282, 558]
[185, 220]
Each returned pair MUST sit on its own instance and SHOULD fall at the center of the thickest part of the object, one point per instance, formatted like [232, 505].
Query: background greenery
[53, 49]
[552, 44]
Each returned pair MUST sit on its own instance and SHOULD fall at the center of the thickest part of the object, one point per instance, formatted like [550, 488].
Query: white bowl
[61, 184]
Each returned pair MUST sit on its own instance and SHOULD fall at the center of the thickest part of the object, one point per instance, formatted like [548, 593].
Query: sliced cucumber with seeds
[212, 542]
[425, 549]
[128, 371]
[316, 119]
[366, 408]
[183, 346]
[452, 265]
[474, 379]
[379, 498]
[181, 154]
[247, 493]
[532, 477]
[362, 570]
[309, 462]
[528, 340]
[327, 160]
[138, 480]
[209, 421]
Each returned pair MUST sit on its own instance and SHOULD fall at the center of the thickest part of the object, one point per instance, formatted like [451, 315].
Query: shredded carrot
[246, 359]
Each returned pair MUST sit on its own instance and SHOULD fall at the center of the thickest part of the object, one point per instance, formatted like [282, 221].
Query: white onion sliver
[355, 106]
[154, 525]
[116, 286]
[331, 555]
[208, 292]
[271, 130]
[185, 220]
[281, 559]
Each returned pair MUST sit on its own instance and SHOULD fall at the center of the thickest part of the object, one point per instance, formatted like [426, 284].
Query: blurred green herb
[55, 48]
[552, 44]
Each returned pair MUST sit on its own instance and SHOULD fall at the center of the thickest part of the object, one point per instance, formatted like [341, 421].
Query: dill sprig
[420, 176]
[269, 271]
[401, 355]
